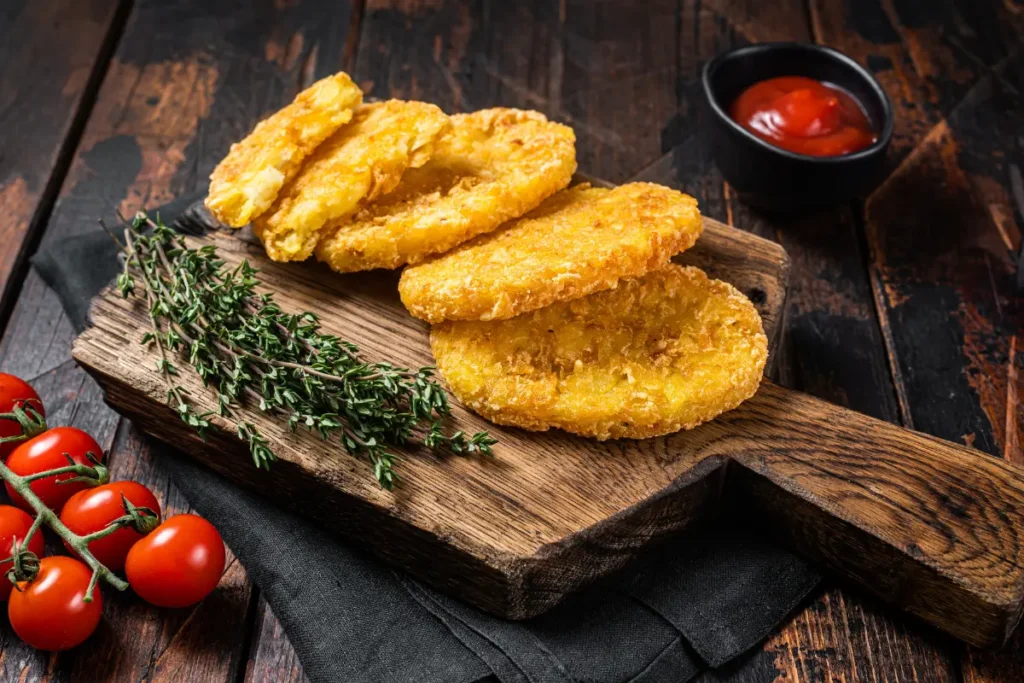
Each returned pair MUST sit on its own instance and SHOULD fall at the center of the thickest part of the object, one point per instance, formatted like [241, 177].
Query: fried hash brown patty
[495, 165]
[660, 353]
[362, 161]
[246, 182]
[581, 240]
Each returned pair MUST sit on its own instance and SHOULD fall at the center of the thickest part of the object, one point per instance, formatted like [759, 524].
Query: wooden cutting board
[932, 527]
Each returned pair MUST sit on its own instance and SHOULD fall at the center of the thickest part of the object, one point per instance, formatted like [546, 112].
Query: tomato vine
[25, 563]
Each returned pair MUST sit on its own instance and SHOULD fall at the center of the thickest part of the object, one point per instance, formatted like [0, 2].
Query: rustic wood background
[905, 306]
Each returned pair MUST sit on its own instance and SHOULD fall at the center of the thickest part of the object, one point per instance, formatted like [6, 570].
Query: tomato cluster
[175, 563]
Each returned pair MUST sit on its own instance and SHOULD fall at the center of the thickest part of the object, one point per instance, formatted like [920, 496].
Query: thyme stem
[252, 354]
[174, 391]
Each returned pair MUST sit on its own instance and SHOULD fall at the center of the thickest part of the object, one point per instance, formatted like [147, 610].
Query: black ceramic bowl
[772, 178]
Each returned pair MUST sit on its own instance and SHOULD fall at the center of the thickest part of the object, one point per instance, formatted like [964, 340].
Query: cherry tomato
[14, 523]
[178, 564]
[46, 452]
[14, 393]
[93, 509]
[49, 612]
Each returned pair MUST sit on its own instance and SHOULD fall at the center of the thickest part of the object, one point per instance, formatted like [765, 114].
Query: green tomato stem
[90, 475]
[142, 521]
[79, 544]
[36, 523]
[31, 420]
[102, 533]
[92, 586]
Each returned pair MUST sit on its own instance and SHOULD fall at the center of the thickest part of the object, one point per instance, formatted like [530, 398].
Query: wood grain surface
[929, 526]
[625, 75]
[954, 76]
[44, 100]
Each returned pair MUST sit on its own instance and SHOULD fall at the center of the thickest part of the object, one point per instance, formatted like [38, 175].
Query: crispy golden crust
[580, 241]
[362, 161]
[495, 165]
[246, 182]
[660, 353]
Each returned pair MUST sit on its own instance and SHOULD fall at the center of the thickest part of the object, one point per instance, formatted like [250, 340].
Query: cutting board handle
[928, 525]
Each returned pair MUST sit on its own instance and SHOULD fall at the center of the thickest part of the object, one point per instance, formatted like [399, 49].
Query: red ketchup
[805, 116]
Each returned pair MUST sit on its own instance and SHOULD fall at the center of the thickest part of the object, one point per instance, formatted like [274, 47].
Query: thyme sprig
[255, 355]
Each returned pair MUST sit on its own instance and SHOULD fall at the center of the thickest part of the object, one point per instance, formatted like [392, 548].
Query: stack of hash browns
[551, 307]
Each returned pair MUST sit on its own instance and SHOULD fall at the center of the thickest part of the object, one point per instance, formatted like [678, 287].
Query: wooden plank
[847, 637]
[956, 288]
[618, 85]
[1004, 665]
[945, 284]
[187, 80]
[42, 91]
[272, 660]
[947, 289]
[831, 347]
[449, 53]
[927, 56]
[599, 67]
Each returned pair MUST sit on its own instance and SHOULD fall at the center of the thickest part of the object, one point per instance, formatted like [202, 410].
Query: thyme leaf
[256, 356]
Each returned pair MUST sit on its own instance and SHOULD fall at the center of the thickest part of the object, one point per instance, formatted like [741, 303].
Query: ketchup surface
[805, 116]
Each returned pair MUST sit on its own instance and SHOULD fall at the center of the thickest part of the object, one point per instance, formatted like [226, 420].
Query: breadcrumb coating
[660, 353]
[495, 165]
[362, 161]
[581, 240]
[247, 181]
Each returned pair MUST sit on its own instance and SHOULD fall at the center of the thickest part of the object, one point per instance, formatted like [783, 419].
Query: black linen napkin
[695, 603]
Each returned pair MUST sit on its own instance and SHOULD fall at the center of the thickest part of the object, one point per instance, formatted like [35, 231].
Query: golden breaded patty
[660, 353]
[495, 165]
[581, 240]
[362, 161]
[246, 182]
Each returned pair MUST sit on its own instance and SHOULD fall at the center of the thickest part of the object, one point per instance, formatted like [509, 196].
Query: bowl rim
[884, 136]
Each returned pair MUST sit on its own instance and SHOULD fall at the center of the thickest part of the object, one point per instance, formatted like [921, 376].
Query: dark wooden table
[905, 306]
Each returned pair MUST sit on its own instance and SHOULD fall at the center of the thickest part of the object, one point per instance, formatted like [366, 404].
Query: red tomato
[14, 393]
[177, 565]
[46, 452]
[49, 612]
[14, 523]
[93, 509]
